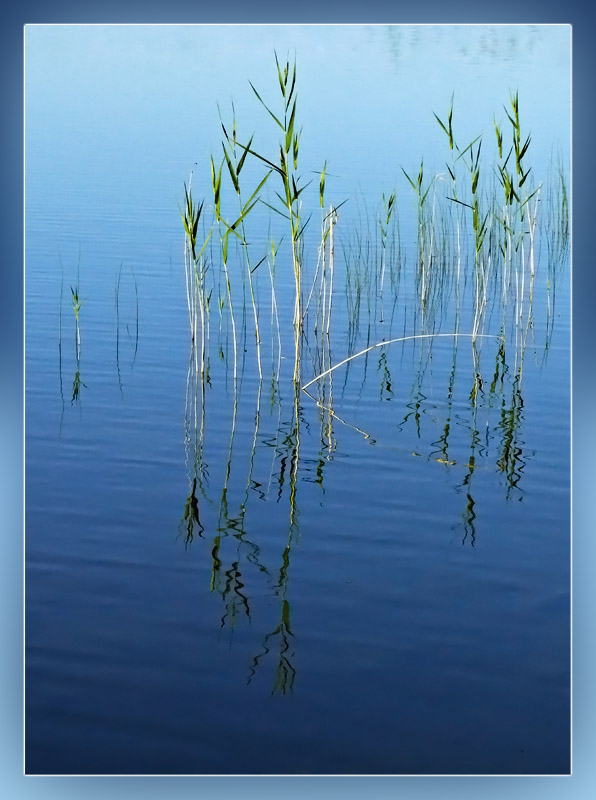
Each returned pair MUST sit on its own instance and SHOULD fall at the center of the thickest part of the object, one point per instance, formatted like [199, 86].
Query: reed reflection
[131, 327]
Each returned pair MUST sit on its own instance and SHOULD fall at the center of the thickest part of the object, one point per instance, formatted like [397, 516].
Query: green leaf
[523, 180]
[335, 209]
[508, 156]
[216, 180]
[290, 130]
[258, 189]
[478, 154]
[302, 188]
[524, 148]
[277, 211]
[243, 156]
[512, 121]
[281, 80]
[465, 150]
[205, 243]
[245, 212]
[410, 181]
[322, 184]
[261, 158]
[258, 265]
[283, 162]
[303, 227]
[185, 223]
[460, 202]
[266, 107]
[530, 196]
[441, 124]
[425, 194]
[295, 149]
[231, 170]
[283, 201]
[499, 139]
[289, 100]
[475, 176]
[197, 218]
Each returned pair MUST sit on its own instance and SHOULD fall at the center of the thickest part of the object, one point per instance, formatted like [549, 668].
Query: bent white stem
[392, 341]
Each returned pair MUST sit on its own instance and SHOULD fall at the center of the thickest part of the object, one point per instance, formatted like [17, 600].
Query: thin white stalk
[392, 341]
[274, 312]
[332, 221]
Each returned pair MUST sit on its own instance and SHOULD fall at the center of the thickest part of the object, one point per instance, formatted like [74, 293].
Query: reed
[77, 302]
[291, 184]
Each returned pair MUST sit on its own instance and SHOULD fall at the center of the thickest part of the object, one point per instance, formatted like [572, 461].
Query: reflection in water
[488, 408]
[478, 46]
[194, 432]
[285, 672]
[129, 323]
[132, 330]
[511, 461]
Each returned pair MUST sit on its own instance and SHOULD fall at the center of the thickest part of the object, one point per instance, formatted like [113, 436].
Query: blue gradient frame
[582, 783]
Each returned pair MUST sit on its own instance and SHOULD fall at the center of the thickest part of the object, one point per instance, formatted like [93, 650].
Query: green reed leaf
[282, 85]
[441, 124]
[266, 107]
[322, 184]
[290, 130]
[410, 181]
[258, 189]
[231, 170]
[243, 156]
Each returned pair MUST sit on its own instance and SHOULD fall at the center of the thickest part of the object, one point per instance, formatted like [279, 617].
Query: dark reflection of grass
[190, 518]
[77, 302]
[442, 444]
[511, 462]
[133, 337]
[194, 433]
[285, 672]
[77, 385]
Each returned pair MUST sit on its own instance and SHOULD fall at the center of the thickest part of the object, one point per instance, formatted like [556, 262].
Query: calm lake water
[371, 575]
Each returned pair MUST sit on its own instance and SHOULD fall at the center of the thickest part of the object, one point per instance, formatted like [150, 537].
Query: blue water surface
[237, 577]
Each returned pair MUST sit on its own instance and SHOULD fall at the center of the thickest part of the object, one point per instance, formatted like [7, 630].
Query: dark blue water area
[366, 575]
[396, 625]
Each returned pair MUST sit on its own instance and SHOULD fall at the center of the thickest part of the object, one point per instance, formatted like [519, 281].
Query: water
[248, 582]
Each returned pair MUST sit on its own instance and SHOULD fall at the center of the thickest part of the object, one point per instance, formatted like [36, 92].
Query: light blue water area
[240, 577]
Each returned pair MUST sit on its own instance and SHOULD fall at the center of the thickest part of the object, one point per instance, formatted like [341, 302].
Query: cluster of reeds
[471, 279]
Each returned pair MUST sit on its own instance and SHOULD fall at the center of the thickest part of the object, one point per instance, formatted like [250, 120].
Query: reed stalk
[386, 342]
